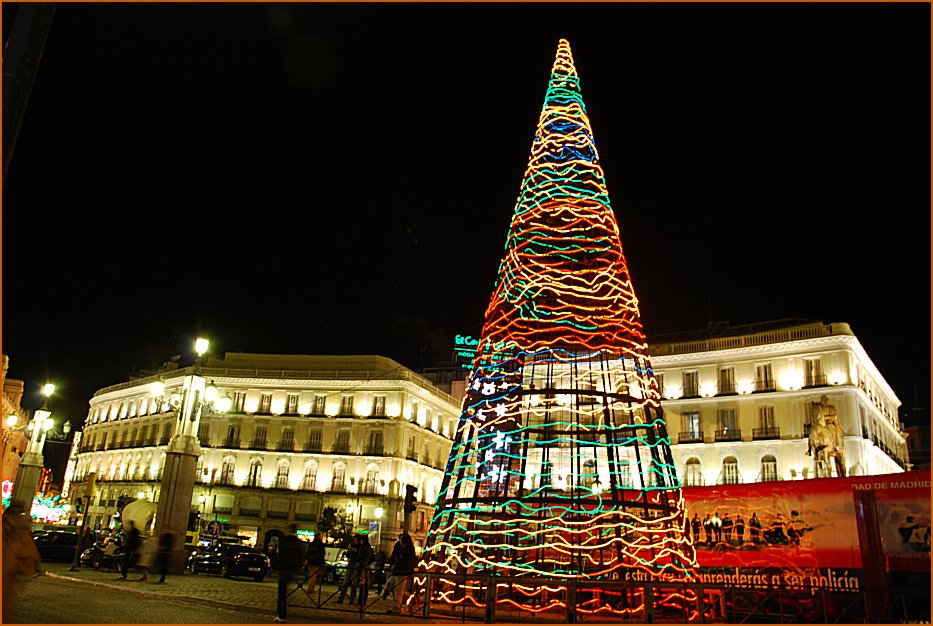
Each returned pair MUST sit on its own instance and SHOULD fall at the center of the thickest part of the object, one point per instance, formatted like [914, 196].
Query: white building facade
[299, 433]
[737, 401]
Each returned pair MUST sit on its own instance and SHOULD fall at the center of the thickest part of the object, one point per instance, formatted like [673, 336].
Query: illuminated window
[255, 474]
[281, 476]
[314, 441]
[227, 471]
[693, 476]
[726, 381]
[346, 405]
[288, 439]
[693, 429]
[379, 406]
[764, 377]
[660, 379]
[291, 404]
[319, 402]
[239, 401]
[342, 444]
[339, 481]
[265, 403]
[730, 471]
[813, 372]
[769, 470]
[691, 387]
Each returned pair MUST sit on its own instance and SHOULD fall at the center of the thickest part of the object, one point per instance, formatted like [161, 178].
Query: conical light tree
[561, 465]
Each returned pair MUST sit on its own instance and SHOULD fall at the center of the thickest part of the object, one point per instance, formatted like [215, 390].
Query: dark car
[230, 561]
[56, 545]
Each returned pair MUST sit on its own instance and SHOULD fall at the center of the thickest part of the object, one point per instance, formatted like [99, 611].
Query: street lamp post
[181, 457]
[30, 468]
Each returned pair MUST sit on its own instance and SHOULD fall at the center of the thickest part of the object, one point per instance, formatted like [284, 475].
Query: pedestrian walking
[402, 563]
[20, 555]
[315, 554]
[166, 545]
[147, 554]
[131, 545]
[291, 561]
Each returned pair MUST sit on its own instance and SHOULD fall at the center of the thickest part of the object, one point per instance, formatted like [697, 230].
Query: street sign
[215, 527]
[375, 534]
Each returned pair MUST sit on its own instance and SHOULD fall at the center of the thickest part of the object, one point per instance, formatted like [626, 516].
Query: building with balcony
[298, 434]
[737, 401]
[15, 440]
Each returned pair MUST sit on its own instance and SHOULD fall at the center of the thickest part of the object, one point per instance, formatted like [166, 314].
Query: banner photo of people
[803, 534]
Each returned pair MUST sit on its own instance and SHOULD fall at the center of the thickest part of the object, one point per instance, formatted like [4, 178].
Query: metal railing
[690, 437]
[769, 432]
[727, 434]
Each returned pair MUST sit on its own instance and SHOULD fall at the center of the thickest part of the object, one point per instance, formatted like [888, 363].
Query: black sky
[339, 178]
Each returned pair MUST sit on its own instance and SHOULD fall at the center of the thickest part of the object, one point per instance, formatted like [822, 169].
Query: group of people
[728, 531]
[141, 552]
[295, 556]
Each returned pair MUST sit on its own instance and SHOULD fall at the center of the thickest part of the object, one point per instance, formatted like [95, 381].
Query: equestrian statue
[827, 440]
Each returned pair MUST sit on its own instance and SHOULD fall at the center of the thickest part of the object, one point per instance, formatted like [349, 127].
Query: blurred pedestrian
[315, 556]
[166, 544]
[147, 553]
[20, 555]
[351, 577]
[131, 545]
[402, 562]
[291, 561]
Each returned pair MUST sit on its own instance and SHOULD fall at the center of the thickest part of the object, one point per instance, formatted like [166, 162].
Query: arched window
[371, 484]
[693, 475]
[227, 471]
[255, 474]
[309, 481]
[339, 483]
[281, 475]
[730, 472]
[769, 471]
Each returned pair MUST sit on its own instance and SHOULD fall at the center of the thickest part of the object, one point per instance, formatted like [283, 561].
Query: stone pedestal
[178, 476]
[27, 479]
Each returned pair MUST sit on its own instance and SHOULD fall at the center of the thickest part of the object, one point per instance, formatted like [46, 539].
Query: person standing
[292, 555]
[315, 561]
[740, 528]
[130, 547]
[166, 545]
[716, 523]
[351, 577]
[695, 527]
[708, 529]
[402, 562]
[754, 528]
[727, 525]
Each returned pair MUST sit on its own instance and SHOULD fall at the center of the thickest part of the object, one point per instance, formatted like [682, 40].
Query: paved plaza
[243, 596]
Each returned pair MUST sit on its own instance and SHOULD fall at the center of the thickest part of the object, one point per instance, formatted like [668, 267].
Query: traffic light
[410, 491]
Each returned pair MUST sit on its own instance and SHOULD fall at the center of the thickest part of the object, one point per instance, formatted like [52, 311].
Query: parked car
[56, 545]
[230, 561]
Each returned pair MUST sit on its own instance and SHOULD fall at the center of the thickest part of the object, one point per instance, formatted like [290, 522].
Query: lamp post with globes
[181, 457]
[30, 468]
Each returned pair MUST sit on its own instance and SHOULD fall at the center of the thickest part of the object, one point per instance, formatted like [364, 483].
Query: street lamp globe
[379, 512]
[48, 389]
[210, 392]
[11, 420]
[48, 424]
[157, 389]
[200, 345]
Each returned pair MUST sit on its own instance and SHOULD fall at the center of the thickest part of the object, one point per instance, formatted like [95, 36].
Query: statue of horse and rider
[827, 439]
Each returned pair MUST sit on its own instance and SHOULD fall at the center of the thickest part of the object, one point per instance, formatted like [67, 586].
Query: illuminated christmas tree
[561, 465]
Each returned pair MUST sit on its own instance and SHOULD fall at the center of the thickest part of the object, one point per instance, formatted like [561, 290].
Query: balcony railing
[340, 449]
[764, 384]
[727, 434]
[249, 512]
[338, 487]
[691, 392]
[694, 481]
[313, 447]
[690, 437]
[814, 381]
[369, 487]
[276, 514]
[231, 443]
[769, 432]
[285, 446]
[375, 451]
[258, 444]
[726, 389]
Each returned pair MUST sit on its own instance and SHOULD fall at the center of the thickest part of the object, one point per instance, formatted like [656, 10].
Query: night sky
[339, 178]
